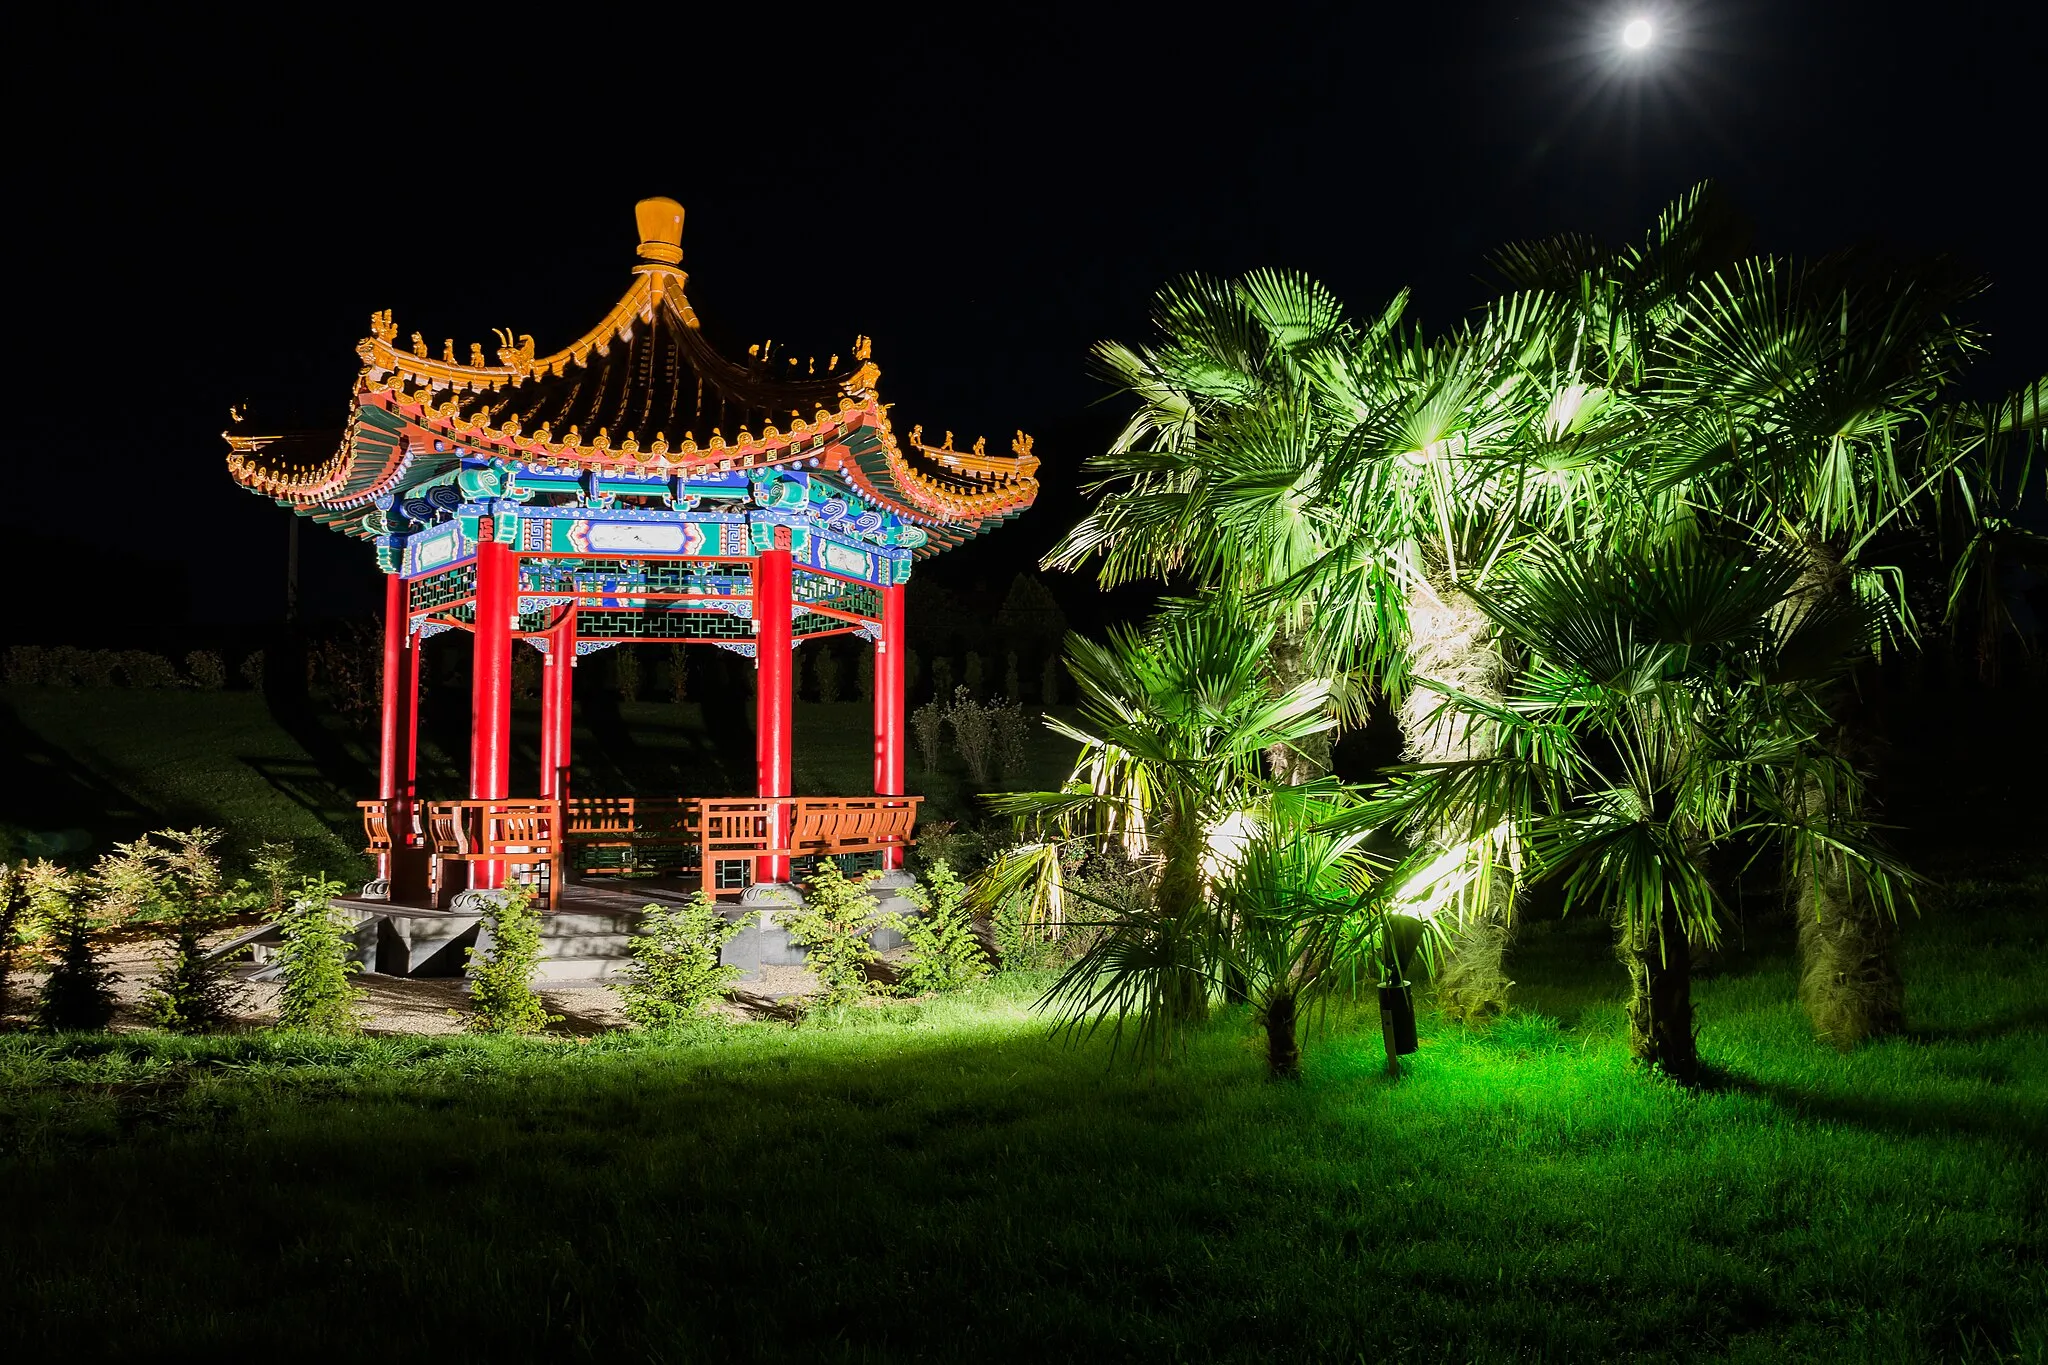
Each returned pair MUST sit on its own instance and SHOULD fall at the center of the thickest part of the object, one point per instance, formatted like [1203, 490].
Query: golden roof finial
[661, 230]
[448, 351]
[863, 348]
[419, 344]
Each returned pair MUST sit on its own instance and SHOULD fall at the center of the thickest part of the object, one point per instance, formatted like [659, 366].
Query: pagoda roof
[643, 392]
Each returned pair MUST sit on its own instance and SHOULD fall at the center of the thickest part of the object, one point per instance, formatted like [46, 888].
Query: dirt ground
[393, 1004]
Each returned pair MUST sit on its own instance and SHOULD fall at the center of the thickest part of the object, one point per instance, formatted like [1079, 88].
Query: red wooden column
[889, 657]
[490, 697]
[394, 770]
[775, 700]
[557, 702]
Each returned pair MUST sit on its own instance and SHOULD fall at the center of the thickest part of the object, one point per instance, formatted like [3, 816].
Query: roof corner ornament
[382, 327]
[514, 356]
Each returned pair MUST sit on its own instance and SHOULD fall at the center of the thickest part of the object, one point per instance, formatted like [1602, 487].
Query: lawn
[940, 1180]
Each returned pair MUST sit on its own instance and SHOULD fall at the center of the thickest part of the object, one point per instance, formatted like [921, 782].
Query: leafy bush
[526, 670]
[928, 727]
[1012, 725]
[1013, 685]
[207, 672]
[78, 996]
[973, 676]
[315, 964]
[974, 734]
[501, 995]
[678, 673]
[14, 912]
[1022, 945]
[944, 953]
[826, 672]
[27, 666]
[675, 970]
[345, 667]
[626, 673]
[832, 927]
[274, 864]
[251, 670]
[1049, 683]
[140, 668]
[192, 993]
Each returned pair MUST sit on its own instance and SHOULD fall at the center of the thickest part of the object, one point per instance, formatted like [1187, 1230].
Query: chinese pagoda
[635, 485]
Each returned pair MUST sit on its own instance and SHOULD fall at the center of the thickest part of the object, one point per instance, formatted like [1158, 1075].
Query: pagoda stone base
[588, 938]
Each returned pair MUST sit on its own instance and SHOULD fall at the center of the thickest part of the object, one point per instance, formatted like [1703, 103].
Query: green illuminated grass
[940, 1181]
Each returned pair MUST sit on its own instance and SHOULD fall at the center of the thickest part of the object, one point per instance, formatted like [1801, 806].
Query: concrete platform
[586, 938]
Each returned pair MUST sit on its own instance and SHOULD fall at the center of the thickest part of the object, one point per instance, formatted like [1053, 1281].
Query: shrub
[942, 679]
[973, 735]
[1049, 683]
[626, 673]
[251, 670]
[832, 927]
[345, 667]
[1021, 945]
[78, 996]
[315, 964]
[1013, 685]
[973, 677]
[928, 727]
[675, 970]
[88, 668]
[1012, 725]
[501, 995]
[207, 672]
[526, 668]
[274, 864]
[27, 666]
[192, 993]
[678, 673]
[826, 671]
[14, 911]
[944, 954]
[140, 668]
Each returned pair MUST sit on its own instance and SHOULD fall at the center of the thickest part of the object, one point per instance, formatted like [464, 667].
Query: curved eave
[372, 458]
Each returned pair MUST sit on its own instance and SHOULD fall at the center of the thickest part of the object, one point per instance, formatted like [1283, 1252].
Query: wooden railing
[717, 837]
[517, 833]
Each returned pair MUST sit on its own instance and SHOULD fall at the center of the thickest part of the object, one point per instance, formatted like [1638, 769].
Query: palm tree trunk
[1450, 641]
[1283, 1050]
[1849, 979]
[1186, 995]
[1660, 1000]
[1309, 758]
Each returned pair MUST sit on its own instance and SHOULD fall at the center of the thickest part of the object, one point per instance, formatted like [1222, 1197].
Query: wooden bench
[516, 833]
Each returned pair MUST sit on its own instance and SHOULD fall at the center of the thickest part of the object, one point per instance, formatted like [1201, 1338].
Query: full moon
[1636, 33]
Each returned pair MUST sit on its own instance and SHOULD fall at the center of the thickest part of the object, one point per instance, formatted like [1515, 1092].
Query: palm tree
[1804, 404]
[1174, 724]
[1351, 478]
[1212, 481]
[1295, 914]
[1663, 708]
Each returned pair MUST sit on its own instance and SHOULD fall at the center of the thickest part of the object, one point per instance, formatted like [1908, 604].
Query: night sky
[206, 216]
